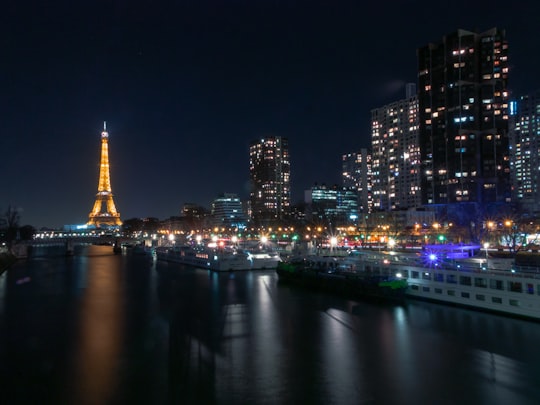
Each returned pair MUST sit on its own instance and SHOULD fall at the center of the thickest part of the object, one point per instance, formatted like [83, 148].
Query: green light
[441, 238]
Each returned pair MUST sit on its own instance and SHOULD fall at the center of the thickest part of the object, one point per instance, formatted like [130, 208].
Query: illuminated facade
[356, 172]
[104, 212]
[269, 169]
[227, 212]
[463, 111]
[337, 205]
[525, 152]
[395, 166]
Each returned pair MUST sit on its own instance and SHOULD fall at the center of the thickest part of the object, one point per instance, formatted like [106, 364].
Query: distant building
[395, 166]
[227, 212]
[337, 205]
[525, 152]
[356, 172]
[269, 169]
[463, 108]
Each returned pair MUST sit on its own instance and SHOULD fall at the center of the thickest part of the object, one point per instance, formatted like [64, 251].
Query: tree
[12, 219]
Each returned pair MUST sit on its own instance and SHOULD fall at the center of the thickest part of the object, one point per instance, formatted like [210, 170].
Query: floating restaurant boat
[338, 275]
[459, 275]
[216, 259]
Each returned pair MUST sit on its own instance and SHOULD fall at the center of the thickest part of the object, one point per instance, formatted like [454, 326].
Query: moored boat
[480, 283]
[216, 259]
[335, 275]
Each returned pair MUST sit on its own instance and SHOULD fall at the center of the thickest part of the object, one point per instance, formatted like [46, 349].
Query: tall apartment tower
[525, 152]
[463, 108]
[395, 152]
[356, 172]
[270, 170]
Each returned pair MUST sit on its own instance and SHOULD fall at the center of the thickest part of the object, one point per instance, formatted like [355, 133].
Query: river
[99, 328]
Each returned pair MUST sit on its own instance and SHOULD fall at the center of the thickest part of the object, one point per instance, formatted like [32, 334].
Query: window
[465, 295]
[465, 280]
[414, 274]
[438, 290]
[515, 286]
[451, 292]
[480, 297]
[514, 303]
[414, 287]
[438, 277]
[496, 300]
[530, 288]
[451, 278]
[425, 289]
[480, 282]
[426, 276]
[496, 284]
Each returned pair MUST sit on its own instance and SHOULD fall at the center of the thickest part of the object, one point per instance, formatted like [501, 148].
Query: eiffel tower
[104, 197]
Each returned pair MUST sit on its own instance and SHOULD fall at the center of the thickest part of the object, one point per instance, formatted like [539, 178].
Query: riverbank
[6, 260]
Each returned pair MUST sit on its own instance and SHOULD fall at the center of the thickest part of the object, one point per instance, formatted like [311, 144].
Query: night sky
[185, 88]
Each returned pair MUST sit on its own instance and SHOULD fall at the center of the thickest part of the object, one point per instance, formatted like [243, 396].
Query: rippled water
[104, 329]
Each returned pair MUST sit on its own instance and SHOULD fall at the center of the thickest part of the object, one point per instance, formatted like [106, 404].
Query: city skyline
[184, 91]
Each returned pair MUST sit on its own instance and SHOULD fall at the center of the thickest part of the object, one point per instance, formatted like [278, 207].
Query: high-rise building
[336, 205]
[227, 211]
[269, 169]
[525, 152]
[395, 165]
[463, 109]
[356, 172]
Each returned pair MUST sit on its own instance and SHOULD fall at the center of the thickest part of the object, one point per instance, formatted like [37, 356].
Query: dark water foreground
[104, 329]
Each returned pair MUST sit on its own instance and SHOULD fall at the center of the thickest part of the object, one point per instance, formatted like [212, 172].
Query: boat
[142, 250]
[262, 259]
[336, 274]
[216, 259]
[473, 280]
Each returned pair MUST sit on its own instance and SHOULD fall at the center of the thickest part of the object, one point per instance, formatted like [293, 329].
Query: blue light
[432, 257]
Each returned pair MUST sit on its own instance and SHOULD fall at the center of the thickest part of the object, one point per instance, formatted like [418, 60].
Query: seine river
[103, 329]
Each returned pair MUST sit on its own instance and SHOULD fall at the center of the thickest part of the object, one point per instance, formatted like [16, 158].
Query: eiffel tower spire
[104, 211]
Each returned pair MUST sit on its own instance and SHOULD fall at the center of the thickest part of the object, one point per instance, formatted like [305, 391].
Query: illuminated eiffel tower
[104, 198]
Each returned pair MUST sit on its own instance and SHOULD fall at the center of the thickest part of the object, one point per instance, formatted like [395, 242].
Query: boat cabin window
[465, 294]
[438, 290]
[496, 284]
[438, 277]
[451, 278]
[514, 303]
[480, 282]
[426, 276]
[530, 288]
[515, 286]
[496, 300]
[414, 274]
[451, 292]
[480, 297]
[465, 280]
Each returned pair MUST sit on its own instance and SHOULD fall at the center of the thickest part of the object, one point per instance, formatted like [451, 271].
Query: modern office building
[269, 169]
[334, 205]
[227, 211]
[463, 118]
[525, 152]
[395, 166]
[356, 172]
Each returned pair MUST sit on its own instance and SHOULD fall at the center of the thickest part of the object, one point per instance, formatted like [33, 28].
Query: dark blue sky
[184, 88]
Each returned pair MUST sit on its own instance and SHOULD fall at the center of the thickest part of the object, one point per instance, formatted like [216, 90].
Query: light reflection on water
[99, 338]
[119, 329]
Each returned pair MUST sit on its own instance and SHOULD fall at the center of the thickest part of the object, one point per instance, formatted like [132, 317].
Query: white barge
[476, 282]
